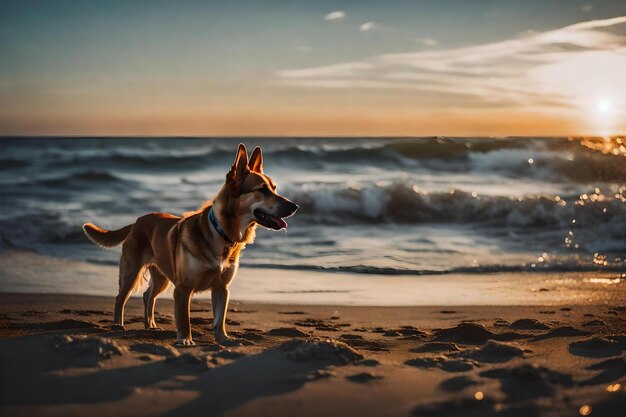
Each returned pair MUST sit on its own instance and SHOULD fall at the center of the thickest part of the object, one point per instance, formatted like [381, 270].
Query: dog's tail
[106, 238]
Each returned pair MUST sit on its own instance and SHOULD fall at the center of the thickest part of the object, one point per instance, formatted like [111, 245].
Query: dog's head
[254, 193]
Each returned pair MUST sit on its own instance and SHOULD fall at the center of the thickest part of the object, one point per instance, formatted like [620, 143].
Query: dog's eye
[264, 190]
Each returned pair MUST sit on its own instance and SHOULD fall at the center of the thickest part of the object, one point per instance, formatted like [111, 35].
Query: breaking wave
[403, 202]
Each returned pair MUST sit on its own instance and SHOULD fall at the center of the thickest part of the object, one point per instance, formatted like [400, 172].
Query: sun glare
[596, 103]
[603, 115]
[604, 106]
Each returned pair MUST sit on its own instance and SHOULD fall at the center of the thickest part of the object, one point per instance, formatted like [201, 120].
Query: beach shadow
[82, 326]
[457, 383]
[610, 370]
[38, 383]
[224, 379]
[597, 347]
[526, 381]
[563, 331]
[272, 372]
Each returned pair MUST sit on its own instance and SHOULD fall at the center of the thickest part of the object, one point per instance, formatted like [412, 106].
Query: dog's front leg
[182, 301]
[219, 299]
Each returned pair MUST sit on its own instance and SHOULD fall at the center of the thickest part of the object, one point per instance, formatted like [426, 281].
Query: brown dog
[200, 250]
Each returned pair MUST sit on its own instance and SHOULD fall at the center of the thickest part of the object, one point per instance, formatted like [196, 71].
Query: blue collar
[218, 227]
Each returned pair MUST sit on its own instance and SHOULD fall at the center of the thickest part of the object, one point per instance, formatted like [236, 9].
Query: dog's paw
[155, 328]
[184, 342]
[118, 327]
[228, 341]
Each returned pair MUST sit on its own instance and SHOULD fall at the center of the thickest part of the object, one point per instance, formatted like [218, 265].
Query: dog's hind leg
[129, 276]
[182, 300]
[158, 284]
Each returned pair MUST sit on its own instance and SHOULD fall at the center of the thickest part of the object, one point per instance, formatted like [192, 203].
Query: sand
[59, 357]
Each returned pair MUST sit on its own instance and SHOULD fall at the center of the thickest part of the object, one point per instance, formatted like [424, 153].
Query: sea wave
[566, 265]
[552, 159]
[7, 164]
[147, 161]
[370, 205]
[404, 202]
[81, 177]
[29, 230]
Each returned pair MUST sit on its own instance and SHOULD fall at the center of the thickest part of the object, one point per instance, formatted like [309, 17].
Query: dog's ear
[256, 161]
[239, 169]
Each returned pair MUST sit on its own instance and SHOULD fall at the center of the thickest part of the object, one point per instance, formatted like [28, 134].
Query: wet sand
[59, 357]
[24, 271]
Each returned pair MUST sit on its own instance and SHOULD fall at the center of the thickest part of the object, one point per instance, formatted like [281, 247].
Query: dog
[197, 251]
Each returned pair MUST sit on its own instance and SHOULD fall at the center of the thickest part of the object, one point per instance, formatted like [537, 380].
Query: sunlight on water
[607, 144]
[604, 281]
[597, 200]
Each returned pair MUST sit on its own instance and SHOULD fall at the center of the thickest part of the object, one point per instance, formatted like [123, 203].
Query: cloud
[559, 68]
[586, 8]
[336, 15]
[367, 26]
[426, 41]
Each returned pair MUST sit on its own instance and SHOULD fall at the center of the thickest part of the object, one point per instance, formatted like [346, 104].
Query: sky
[313, 68]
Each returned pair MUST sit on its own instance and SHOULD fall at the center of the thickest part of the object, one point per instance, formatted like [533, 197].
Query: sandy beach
[59, 357]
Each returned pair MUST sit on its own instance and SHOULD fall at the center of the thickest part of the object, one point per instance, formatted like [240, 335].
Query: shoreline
[22, 272]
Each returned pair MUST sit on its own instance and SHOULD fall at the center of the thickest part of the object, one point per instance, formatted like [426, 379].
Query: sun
[603, 115]
[604, 106]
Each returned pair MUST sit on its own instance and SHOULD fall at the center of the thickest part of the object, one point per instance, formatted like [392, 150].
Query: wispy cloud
[336, 15]
[586, 8]
[426, 41]
[561, 67]
[367, 26]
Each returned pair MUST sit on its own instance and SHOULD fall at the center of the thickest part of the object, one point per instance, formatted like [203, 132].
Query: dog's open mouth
[269, 221]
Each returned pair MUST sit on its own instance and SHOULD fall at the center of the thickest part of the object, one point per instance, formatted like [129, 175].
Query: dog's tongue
[279, 221]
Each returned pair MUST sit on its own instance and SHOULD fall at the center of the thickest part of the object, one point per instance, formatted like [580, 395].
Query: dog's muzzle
[276, 221]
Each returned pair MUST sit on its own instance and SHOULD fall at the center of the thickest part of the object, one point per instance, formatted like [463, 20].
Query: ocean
[390, 206]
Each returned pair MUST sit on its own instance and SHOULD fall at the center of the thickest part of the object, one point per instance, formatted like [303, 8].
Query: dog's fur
[189, 252]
